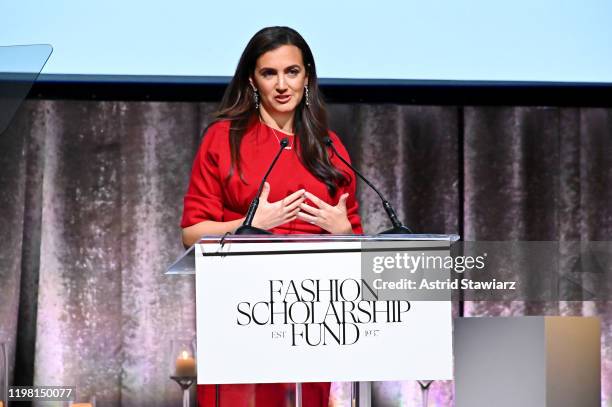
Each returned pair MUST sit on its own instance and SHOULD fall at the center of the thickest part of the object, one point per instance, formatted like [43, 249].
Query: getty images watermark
[488, 271]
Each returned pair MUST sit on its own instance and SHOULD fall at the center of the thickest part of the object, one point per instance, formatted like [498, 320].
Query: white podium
[291, 308]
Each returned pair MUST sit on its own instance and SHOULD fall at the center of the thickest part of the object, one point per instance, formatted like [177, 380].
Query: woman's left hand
[334, 219]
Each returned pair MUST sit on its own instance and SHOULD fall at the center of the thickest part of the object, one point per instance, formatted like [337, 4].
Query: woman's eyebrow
[265, 68]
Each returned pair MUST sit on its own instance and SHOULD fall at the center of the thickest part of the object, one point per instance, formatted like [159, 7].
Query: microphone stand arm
[398, 227]
[247, 228]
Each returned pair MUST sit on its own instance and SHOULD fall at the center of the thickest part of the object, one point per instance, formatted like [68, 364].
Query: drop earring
[256, 98]
[306, 95]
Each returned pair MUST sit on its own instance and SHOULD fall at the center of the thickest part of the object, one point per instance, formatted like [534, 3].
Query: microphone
[398, 227]
[246, 228]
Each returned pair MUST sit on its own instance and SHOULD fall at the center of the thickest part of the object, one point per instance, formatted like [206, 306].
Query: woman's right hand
[272, 214]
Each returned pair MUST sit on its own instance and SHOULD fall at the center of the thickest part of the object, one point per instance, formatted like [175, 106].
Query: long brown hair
[310, 122]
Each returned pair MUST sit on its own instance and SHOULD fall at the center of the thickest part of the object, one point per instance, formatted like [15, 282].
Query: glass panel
[20, 65]
[185, 263]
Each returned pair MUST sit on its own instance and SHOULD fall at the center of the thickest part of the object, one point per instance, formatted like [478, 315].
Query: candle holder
[425, 391]
[185, 382]
[182, 365]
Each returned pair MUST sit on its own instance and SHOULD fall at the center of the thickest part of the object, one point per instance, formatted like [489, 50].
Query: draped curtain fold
[91, 196]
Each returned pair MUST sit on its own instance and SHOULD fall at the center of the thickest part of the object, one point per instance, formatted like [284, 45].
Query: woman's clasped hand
[272, 214]
[333, 219]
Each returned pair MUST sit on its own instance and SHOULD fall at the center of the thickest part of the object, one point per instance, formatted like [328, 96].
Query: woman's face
[280, 78]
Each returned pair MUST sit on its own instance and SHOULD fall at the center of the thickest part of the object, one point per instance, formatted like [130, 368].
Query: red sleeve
[203, 200]
[352, 206]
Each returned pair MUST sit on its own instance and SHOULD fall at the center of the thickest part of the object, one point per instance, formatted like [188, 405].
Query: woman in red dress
[273, 95]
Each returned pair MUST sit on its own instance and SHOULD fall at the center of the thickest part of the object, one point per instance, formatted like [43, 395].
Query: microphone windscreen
[284, 142]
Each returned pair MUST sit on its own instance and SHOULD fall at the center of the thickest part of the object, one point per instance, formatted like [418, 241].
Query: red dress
[214, 196]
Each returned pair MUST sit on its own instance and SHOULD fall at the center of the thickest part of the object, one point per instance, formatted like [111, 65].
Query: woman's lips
[282, 98]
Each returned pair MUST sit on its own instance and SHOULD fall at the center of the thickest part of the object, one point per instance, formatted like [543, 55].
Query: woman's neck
[278, 121]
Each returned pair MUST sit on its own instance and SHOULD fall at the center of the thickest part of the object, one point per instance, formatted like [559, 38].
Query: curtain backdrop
[91, 197]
